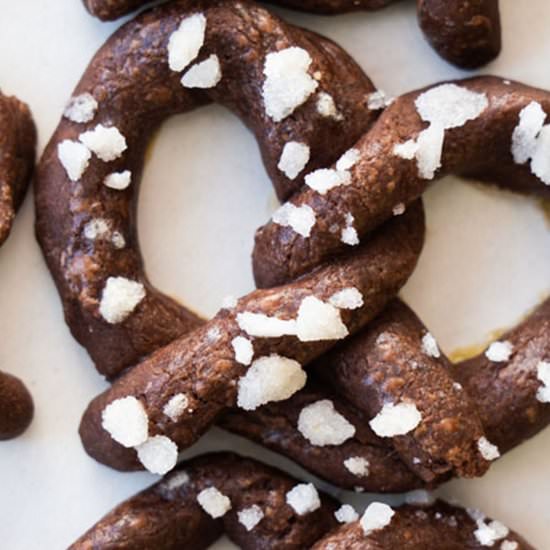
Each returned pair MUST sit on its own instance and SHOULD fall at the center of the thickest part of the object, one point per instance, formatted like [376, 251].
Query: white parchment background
[486, 260]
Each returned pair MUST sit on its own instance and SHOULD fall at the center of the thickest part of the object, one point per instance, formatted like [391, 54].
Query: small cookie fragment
[213, 502]
[303, 498]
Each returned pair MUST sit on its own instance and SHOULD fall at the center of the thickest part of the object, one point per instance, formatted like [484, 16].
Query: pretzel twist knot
[465, 33]
[328, 263]
[17, 151]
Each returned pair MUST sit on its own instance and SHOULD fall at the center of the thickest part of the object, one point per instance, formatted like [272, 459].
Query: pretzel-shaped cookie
[85, 217]
[481, 122]
[17, 150]
[464, 32]
[260, 507]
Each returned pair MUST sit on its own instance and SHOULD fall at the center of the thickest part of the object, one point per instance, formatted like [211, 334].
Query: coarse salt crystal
[287, 84]
[377, 516]
[205, 74]
[118, 180]
[250, 517]
[347, 298]
[488, 534]
[303, 498]
[499, 351]
[81, 108]
[126, 421]
[357, 465]
[185, 43]
[326, 106]
[107, 143]
[293, 159]
[300, 218]
[394, 420]
[119, 298]
[176, 406]
[322, 425]
[543, 374]
[258, 324]
[244, 351]
[213, 502]
[325, 179]
[270, 378]
[318, 320]
[487, 450]
[429, 346]
[348, 160]
[74, 157]
[96, 228]
[346, 514]
[159, 454]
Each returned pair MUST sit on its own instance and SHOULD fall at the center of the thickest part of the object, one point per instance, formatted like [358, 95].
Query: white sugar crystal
[509, 545]
[540, 162]
[118, 180]
[543, 374]
[326, 106]
[399, 209]
[74, 157]
[357, 465]
[487, 450]
[287, 84]
[488, 534]
[348, 160]
[205, 74]
[300, 218]
[270, 378]
[499, 351]
[244, 351]
[293, 159]
[420, 496]
[406, 150]
[325, 179]
[430, 149]
[96, 228]
[213, 335]
[81, 108]
[118, 240]
[429, 346]
[378, 100]
[347, 298]
[394, 420]
[176, 480]
[318, 320]
[159, 454]
[349, 234]
[322, 425]
[107, 143]
[303, 498]
[250, 517]
[346, 514]
[258, 324]
[119, 298]
[376, 517]
[184, 43]
[126, 421]
[176, 406]
[213, 502]
[524, 137]
[450, 106]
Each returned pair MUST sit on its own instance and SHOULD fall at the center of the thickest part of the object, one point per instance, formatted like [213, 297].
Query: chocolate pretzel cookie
[259, 507]
[481, 126]
[17, 150]
[464, 32]
[89, 173]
